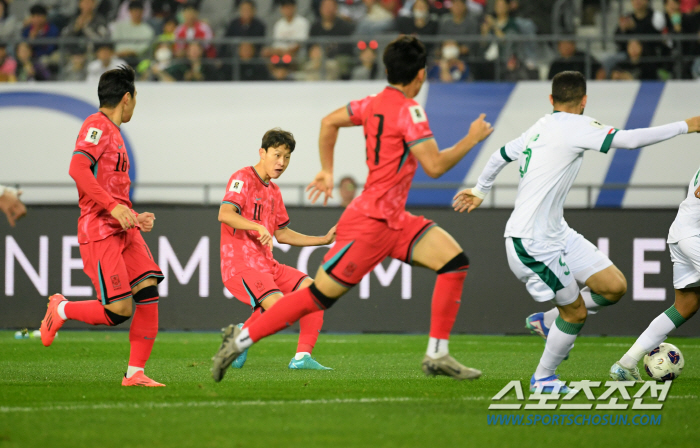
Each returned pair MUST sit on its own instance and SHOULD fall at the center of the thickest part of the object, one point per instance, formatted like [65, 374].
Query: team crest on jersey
[236, 186]
[93, 136]
[349, 269]
[259, 285]
[116, 283]
[417, 114]
[597, 124]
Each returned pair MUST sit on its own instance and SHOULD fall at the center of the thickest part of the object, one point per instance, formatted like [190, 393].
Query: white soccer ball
[664, 362]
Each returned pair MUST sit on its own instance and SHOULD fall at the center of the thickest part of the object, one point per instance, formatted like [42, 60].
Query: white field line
[221, 404]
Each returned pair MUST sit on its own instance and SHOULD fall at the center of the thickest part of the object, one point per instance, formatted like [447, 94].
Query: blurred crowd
[257, 40]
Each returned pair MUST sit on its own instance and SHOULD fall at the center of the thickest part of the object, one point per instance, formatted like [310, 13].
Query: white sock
[60, 309]
[437, 348]
[131, 371]
[301, 355]
[655, 334]
[558, 345]
[243, 340]
[549, 317]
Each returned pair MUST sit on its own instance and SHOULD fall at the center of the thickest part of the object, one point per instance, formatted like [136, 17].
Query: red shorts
[252, 287]
[118, 263]
[363, 242]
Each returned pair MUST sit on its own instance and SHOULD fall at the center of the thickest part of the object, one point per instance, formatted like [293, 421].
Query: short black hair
[287, 2]
[250, 2]
[136, 4]
[38, 10]
[104, 44]
[278, 137]
[114, 84]
[568, 87]
[403, 59]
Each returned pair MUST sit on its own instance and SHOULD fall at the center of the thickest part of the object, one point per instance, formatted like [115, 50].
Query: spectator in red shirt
[193, 29]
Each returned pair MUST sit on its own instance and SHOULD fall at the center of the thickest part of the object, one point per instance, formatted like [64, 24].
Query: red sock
[284, 313]
[89, 311]
[446, 299]
[253, 317]
[309, 328]
[142, 334]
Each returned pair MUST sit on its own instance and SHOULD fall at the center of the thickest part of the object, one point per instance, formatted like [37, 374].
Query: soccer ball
[664, 363]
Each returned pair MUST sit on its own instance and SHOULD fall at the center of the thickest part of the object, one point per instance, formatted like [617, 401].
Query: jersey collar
[267, 184]
[109, 119]
[397, 90]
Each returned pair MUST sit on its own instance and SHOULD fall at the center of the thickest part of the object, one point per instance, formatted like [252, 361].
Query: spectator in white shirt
[106, 60]
[290, 30]
[135, 28]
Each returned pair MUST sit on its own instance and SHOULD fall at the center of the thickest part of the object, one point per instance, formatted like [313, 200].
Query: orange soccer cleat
[52, 321]
[140, 379]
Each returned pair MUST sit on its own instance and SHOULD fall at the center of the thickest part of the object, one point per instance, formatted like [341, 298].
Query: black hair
[39, 10]
[277, 137]
[135, 4]
[403, 59]
[250, 2]
[114, 84]
[568, 87]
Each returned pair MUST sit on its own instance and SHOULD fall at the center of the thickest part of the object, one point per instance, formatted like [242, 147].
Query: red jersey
[258, 202]
[100, 168]
[392, 125]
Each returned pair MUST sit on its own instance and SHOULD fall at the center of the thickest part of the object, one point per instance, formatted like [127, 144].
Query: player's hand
[145, 221]
[11, 206]
[265, 238]
[123, 214]
[330, 236]
[465, 200]
[479, 129]
[322, 184]
[693, 124]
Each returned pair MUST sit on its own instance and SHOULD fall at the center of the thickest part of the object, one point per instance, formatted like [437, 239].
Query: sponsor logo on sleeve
[417, 114]
[93, 136]
[236, 186]
[597, 124]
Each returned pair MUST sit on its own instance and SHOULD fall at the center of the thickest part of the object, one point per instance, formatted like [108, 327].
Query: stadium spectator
[289, 30]
[318, 67]
[168, 32]
[88, 23]
[8, 65]
[420, 23]
[39, 27]
[348, 190]
[368, 68]
[376, 20]
[76, 68]
[164, 9]
[571, 59]
[459, 21]
[642, 20]
[60, 12]
[105, 60]
[690, 6]
[538, 12]
[330, 25]
[250, 68]
[9, 26]
[11, 205]
[194, 68]
[193, 29]
[29, 68]
[633, 68]
[449, 68]
[153, 69]
[133, 36]
[246, 24]
[124, 11]
[281, 71]
[217, 13]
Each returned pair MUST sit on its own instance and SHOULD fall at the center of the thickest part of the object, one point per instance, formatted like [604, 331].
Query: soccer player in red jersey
[375, 224]
[251, 212]
[115, 256]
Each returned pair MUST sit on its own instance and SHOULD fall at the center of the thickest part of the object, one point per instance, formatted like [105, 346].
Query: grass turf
[70, 394]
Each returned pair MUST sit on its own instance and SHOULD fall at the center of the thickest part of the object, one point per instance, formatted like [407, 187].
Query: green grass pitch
[69, 395]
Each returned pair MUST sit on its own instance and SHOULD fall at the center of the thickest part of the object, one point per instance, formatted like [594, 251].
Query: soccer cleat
[535, 323]
[620, 373]
[548, 385]
[140, 379]
[227, 353]
[52, 321]
[448, 366]
[238, 362]
[306, 363]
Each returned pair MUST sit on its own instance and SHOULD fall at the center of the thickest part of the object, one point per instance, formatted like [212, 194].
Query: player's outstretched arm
[229, 215]
[436, 162]
[323, 182]
[289, 236]
[639, 138]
